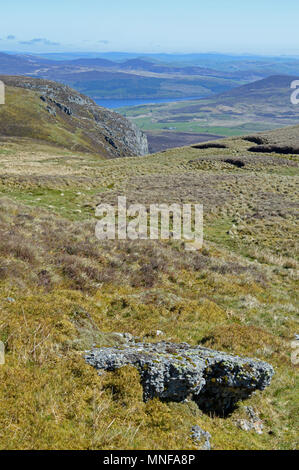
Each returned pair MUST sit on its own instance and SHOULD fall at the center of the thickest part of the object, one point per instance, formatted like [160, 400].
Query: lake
[114, 104]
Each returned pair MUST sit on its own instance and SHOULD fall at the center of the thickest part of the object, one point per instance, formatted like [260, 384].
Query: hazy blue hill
[16, 64]
[268, 85]
[101, 78]
[275, 91]
[259, 106]
[265, 65]
[157, 76]
[272, 93]
[96, 62]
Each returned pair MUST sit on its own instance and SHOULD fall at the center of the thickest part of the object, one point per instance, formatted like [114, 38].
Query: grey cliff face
[213, 379]
[136, 139]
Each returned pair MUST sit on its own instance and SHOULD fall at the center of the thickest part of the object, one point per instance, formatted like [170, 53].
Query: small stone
[160, 333]
[258, 427]
[201, 438]
[126, 337]
[251, 413]
[253, 424]
[244, 424]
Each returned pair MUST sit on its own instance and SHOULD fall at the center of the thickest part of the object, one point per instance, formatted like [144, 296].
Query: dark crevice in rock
[62, 107]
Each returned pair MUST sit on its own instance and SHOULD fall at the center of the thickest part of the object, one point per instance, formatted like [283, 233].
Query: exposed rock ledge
[213, 379]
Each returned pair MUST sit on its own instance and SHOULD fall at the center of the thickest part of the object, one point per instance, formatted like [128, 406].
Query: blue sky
[255, 26]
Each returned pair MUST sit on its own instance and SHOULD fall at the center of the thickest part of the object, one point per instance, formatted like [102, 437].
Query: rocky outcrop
[213, 379]
[101, 130]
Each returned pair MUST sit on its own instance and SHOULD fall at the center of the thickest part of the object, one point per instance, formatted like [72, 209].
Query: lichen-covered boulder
[215, 380]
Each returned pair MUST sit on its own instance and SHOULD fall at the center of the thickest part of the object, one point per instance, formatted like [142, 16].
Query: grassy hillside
[62, 291]
[51, 112]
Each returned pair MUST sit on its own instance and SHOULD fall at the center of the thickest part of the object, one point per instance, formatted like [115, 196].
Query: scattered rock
[251, 413]
[125, 337]
[51, 111]
[295, 354]
[253, 424]
[213, 379]
[160, 333]
[246, 425]
[201, 438]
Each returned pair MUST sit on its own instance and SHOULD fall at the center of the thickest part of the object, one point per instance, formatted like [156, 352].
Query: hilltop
[266, 100]
[54, 113]
[63, 292]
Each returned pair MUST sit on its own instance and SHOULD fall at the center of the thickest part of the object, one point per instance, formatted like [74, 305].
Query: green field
[146, 124]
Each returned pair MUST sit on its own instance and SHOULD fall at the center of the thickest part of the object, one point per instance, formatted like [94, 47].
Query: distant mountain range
[212, 60]
[101, 78]
[125, 76]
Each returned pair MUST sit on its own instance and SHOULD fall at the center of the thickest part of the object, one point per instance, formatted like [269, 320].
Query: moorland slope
[63, 292]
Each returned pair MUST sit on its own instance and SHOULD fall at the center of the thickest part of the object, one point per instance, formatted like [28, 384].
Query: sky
[183, 26]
